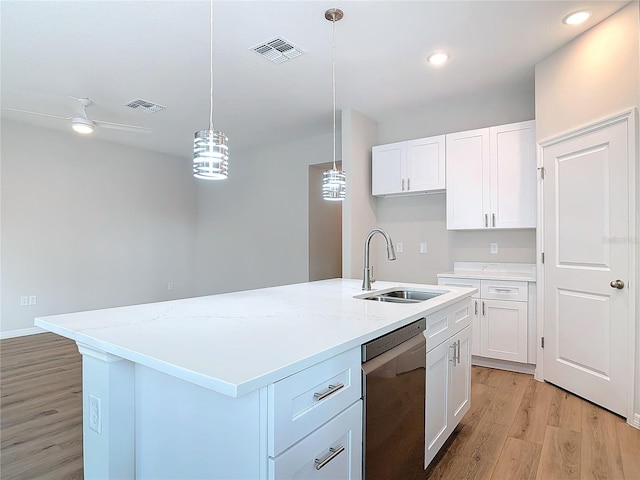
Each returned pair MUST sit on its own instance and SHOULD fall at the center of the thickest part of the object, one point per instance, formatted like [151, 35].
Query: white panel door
[513, 175]
[460, 390]
[426, 164]
[437, 398]
[387, 169]
[467, 179]
[587, 247]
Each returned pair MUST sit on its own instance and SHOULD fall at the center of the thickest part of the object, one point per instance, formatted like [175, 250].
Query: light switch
[399, 247]
[494, 248]
[423, 247]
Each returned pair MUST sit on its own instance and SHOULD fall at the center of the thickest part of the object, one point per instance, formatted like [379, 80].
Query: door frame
[630, 116]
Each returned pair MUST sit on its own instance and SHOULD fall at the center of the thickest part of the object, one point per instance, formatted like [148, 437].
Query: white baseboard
[503, 365]
[21, 332]
[635, 421]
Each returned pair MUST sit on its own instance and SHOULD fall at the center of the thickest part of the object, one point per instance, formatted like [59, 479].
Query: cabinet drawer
[504, 290]
[461, 282]
[332, 451]
[302, 402]
[447, 322]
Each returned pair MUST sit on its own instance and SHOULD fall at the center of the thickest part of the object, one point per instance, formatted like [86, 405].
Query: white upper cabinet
[416, 166]
[491, 177]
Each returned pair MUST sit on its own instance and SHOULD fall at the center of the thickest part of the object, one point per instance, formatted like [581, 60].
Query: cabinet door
[467, 179]
[387, 168]
[332, 451]
[426, 164]
[513, 175]
[437, 399]
[503, 330]
[460, 389]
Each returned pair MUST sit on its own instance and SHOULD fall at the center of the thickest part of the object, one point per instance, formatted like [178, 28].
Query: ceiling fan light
[82, 125]
[210, 155]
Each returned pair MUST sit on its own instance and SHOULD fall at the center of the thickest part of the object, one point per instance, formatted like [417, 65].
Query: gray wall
[88, 224]
[414, 219]
[253, 228]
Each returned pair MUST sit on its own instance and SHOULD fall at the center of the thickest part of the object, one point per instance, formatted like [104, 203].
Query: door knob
[619, 284]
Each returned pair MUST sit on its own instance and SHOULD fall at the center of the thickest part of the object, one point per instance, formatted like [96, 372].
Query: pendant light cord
[211, 65]
[333, 86]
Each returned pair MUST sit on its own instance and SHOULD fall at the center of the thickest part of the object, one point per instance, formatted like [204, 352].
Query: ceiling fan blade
[37, 113]
[123, 126]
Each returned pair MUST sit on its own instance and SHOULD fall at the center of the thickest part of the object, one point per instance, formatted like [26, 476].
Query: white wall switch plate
[32, 299]
[399, 248]
[423, 247]
[494, 248]
[24, 301]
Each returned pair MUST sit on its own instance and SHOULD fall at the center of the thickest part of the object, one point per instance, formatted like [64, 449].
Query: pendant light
[210, 150]
[334, 181]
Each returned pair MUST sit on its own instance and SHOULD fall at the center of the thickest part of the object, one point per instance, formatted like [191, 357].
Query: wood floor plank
[530, 421]
[600, 453]
[510, 388]
[565, 411]
[629, 443]
[518, 461]
[479, 457]
[560, 456]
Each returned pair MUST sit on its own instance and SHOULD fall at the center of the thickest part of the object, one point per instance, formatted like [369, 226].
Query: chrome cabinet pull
[483, 309]
[453, 358]
[493, 219]
[329, 391]
[408, 184]
[333, 453]
[503, 290]
[486, 220]
[403, 184]
[619, 284]
[475, 311]
[458, 344]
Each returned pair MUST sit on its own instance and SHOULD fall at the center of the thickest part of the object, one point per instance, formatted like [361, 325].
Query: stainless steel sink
[403, 295]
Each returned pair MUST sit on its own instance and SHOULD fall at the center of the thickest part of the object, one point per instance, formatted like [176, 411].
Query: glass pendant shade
[334, 184]
[210, 155]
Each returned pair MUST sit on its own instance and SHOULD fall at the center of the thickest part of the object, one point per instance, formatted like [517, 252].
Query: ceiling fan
[84, 124]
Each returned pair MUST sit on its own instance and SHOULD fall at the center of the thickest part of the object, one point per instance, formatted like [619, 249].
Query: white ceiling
[117, 51]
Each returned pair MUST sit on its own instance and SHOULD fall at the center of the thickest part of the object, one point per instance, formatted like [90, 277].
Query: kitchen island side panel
[187, 431]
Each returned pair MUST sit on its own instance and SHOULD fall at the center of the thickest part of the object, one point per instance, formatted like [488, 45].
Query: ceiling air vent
[145, 106]
[277, 50]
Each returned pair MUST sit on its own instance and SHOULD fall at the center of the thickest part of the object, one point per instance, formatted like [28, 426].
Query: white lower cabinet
[333, 451]
[448, 393]
[503, 330]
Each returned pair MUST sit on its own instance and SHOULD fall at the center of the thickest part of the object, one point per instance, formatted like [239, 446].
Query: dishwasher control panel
[392, 339]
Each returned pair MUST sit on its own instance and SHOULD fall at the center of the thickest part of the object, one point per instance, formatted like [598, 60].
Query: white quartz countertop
[523, 272]
[238, 342]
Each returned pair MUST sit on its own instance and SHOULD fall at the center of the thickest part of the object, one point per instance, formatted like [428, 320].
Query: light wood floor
[517, 428]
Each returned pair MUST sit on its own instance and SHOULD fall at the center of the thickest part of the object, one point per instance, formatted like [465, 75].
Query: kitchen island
[221, 386]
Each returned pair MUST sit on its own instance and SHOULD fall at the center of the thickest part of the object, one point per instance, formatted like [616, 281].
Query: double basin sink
[402, 295]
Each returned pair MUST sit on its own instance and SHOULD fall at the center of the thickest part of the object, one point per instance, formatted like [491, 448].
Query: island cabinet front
[152, 425]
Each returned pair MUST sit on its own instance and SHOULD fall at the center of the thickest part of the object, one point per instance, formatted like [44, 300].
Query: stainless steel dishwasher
[393, 385]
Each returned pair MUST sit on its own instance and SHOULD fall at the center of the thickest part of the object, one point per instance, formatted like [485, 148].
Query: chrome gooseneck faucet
[391, 255]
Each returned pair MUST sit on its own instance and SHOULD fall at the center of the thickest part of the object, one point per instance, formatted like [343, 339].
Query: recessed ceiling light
[438, 58]
[576, 18]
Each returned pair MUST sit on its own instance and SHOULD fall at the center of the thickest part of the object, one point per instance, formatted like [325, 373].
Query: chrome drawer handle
[329, 391]
[503, 290]
[333, 453]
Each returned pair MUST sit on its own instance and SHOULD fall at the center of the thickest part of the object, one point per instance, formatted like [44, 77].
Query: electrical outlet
[423, 247]
[24, 301]
[494, 248]
[95, 413]
[32, 300]
[169, 286]
[399, 248]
